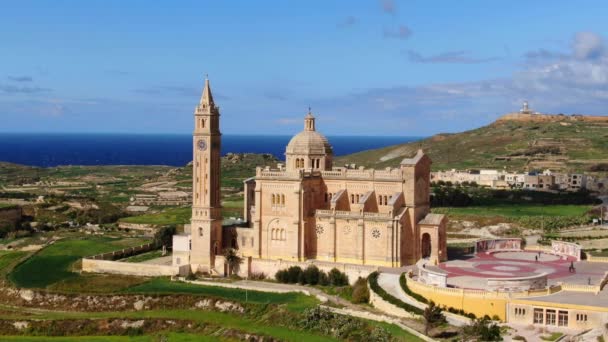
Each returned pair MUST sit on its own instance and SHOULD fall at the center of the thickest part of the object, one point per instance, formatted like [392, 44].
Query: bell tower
[206, 223]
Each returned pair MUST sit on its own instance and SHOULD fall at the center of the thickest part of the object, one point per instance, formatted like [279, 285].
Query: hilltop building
[308, 210]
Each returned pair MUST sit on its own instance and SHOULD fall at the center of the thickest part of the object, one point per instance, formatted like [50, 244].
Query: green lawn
[9, 258]
[83, 338]
[295, 301]
[517, 210]
[52, 264]
[6, 205]
[144, 256]
[169, 216]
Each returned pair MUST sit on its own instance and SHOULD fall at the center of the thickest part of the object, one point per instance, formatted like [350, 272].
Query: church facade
[309, 210]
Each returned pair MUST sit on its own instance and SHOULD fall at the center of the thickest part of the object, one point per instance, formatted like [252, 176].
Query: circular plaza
[503, 265]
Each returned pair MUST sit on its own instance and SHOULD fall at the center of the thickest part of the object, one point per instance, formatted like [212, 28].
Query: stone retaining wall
[137, 226]
[270, 267]
[125, 252]
[136, 269]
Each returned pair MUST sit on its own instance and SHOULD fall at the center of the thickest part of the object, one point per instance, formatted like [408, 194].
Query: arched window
[272, 234]
[273, 199]
[380, 200]
[282, 234]
[385, 200]
[352, 198]
[282, 199]
[318, 163]
[202, 123]
[357, 198]
[200, 231]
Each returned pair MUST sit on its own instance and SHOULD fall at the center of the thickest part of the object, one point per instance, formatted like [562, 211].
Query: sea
[48, 150]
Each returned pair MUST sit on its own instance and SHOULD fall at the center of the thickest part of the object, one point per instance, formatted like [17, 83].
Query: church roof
[414, 160]
[432, 219]
[309, 141]
[207, 97]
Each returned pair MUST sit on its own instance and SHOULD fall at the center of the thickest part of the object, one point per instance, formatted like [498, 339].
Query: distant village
[546, 180]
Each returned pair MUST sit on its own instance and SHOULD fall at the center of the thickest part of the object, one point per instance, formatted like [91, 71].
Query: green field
[9, 259]
[51, 268]
[52, 264]
[295, 301]
[144, 256]
[517, 210]
[6, 205]
[167, 217]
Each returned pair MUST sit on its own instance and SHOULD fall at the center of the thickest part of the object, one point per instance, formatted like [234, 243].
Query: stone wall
[551, 117]
[270, 267]
[125, 252]
[136, 269]
[136, 226]
[432, 277]
[536, 282]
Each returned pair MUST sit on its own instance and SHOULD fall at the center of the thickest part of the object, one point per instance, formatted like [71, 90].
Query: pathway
[349, 308]
[390, 283]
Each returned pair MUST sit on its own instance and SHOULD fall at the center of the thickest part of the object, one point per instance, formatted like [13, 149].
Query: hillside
[516, 142]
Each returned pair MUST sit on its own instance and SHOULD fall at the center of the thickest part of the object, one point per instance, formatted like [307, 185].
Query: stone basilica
[308, 210]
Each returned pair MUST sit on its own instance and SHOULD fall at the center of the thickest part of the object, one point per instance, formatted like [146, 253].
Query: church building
[309, 210]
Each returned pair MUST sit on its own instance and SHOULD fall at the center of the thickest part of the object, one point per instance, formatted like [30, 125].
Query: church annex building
[307, 210]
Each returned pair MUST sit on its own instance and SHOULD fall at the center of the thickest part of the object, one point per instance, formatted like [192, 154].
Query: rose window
[319, 229]
[376, 233]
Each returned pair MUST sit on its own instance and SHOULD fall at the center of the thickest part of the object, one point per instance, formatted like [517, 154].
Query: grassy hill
[559, 143]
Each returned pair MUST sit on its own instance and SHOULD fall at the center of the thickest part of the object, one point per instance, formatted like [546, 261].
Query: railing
[122, 253]
[592, 258]
[353, 214]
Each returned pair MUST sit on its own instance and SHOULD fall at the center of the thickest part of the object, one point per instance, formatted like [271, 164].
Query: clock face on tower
[201, 144]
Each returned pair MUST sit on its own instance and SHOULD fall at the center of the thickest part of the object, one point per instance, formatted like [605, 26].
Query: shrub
[483, 330]
[331, 324]
[282, 276]
[519, 338]
[337, 278]
[293, 274]
[360, 291]
[311, 275]
[403, 283]
[373, 284]
[257, 276]
[323, 279]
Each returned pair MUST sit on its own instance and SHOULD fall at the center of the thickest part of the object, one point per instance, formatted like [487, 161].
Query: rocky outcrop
[122, 302]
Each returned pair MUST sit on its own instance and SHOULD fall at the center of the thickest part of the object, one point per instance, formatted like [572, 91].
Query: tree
[483, 329]
[233, 260]
[360, 291]
[432, 317]
[164, 236]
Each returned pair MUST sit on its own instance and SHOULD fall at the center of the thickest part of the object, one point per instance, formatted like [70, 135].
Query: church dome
[309, 141]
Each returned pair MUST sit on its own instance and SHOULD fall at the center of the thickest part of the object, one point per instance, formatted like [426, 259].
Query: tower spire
[207, 98]
[309, 121]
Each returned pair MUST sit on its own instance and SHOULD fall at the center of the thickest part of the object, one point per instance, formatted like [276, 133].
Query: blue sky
[365, 67]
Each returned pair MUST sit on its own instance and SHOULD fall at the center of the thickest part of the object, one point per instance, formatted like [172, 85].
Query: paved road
[390, 283]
